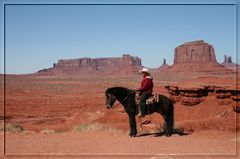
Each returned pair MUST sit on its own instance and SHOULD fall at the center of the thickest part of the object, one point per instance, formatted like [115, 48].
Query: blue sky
[39, 35]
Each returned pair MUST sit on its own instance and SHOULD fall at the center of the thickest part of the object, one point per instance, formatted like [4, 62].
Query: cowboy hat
[145, 70]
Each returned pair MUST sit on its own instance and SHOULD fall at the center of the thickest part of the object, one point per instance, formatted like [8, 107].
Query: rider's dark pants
[143, 98]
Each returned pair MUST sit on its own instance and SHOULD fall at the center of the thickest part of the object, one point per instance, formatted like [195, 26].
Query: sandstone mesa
[195, 56]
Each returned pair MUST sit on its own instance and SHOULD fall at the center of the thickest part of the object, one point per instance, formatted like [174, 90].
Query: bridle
[124, 99]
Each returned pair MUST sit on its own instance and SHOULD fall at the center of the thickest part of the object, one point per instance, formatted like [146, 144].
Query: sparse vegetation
[92, 127]
[12, 128]
[48, 131]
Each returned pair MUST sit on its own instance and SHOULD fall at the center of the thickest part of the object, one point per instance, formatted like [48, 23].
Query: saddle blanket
[150, 108]
[151, 100]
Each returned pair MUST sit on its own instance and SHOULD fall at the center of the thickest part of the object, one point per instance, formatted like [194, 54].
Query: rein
[124, 99]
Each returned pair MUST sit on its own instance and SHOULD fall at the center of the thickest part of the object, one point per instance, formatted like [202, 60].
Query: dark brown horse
[127, 98]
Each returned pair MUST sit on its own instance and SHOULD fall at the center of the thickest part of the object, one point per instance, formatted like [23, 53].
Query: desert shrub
[12, 127]
[60, 131]
[92, 127]
[48, 131]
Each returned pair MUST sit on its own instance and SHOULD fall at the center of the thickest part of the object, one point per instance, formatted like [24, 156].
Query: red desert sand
[66, 115]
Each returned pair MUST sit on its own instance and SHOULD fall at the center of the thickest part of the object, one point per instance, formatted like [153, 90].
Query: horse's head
[117, 93]
[110, 99]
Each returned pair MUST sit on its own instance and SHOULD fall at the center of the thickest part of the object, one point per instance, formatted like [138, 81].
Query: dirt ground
[118, 143]
[65, 117]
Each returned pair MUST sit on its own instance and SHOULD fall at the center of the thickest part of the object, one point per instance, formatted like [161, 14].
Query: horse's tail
[171, 120]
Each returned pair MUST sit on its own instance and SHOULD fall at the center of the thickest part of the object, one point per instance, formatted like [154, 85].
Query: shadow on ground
[179, 132]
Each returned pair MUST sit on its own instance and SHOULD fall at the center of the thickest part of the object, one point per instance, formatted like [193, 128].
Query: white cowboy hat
[145, 70]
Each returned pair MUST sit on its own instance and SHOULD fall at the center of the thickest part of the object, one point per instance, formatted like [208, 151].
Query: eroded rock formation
[227, 59]
[197, 56]
[193, 95]
[164, 66]
[124, 64]
[125, 60]
[228, 63]
[194, 52]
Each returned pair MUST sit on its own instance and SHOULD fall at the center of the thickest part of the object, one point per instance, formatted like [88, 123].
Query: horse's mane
[121, 90]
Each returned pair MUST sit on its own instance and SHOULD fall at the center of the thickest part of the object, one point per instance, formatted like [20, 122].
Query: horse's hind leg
[167, 127]
[171, 123]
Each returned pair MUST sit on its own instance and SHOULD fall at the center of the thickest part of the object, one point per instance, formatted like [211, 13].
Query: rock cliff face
[196, 56]
[193, 95]
[125, 60]
[194, 52]
[124, 64]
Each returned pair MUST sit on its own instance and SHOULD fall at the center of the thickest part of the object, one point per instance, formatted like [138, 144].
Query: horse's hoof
[130, 136]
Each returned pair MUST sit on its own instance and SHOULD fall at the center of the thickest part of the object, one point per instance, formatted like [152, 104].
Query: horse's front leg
[132, 123]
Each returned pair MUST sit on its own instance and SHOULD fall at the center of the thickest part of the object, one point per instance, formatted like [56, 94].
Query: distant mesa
[228, 63]
[124, 64]
[227, 59]
[196, 56]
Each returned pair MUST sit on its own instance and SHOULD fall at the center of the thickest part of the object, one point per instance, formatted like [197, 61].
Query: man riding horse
[145, 91]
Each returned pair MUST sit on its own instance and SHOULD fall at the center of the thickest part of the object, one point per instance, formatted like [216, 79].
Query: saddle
[149, 102]
[154, 98]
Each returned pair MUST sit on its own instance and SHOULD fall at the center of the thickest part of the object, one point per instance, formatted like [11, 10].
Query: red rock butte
[124, 64]
[197, 56]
